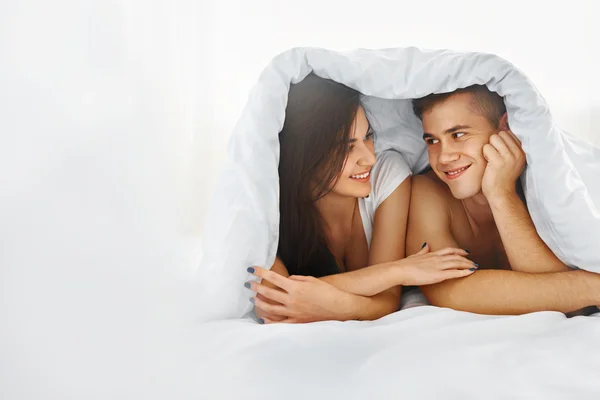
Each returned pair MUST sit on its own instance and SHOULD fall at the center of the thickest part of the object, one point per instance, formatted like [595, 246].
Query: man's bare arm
[513, 293]
[526, 251]
[490, 291]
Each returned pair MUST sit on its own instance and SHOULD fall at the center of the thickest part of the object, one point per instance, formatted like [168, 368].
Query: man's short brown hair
[485, 102]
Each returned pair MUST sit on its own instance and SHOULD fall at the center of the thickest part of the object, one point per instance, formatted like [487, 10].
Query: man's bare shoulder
[430, 219]
[427, 188]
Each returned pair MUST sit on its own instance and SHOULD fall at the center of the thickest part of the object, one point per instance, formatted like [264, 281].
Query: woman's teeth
[361, 176]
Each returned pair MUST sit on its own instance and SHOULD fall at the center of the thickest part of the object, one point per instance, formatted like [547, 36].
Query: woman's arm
[375, 290]
[348, 305]
[368, 293]
[308, 299]
[372, 292]
[381, 281]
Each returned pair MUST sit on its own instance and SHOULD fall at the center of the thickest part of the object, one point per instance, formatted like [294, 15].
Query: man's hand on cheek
[506, 161]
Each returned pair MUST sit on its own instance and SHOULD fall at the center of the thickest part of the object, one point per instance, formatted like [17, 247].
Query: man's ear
[503, 124]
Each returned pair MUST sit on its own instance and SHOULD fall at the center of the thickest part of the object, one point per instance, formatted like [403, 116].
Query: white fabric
[560, 182]
[387, 174]
[419, 353]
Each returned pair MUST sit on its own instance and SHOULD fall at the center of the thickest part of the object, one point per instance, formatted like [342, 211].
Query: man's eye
[459, 134]
[431, 141]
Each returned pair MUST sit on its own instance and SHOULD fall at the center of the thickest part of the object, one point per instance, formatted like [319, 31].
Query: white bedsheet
[419, 353]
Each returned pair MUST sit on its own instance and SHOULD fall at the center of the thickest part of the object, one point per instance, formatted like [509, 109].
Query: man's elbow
[439, 296]
[387, 302]
[392, 300]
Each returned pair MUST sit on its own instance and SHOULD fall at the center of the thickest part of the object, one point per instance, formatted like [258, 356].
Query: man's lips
[455, 173]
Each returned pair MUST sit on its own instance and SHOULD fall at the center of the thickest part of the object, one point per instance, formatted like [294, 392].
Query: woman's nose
[367, 157]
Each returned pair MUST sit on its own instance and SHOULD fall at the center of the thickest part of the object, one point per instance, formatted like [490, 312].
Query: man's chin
[462, 193]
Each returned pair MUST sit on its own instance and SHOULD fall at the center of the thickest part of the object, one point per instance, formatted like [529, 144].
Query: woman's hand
[302, 299]
[426, 268]
[262, 315]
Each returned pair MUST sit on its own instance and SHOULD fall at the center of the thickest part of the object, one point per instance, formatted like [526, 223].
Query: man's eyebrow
[447, 131]
[368, 130]
[457, 128]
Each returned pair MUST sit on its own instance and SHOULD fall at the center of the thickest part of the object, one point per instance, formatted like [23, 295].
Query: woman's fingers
[450, 251]
[459, 264]
[271, 308]
[449, 262]
[458, 273]
[282, 321]
[272, 277]
[290, 321]
[301, 278]
[267, 320]
[424, 249]
[269, 293]
[263, 316]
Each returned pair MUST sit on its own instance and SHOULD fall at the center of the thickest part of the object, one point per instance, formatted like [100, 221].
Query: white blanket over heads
[560, 181]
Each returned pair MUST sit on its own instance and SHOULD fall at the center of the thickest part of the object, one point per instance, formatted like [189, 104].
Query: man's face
[455, 134]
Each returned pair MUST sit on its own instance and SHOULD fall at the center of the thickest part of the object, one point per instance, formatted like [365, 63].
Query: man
[472, 199]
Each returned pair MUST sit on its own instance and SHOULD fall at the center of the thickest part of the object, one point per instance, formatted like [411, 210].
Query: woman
[343, 217]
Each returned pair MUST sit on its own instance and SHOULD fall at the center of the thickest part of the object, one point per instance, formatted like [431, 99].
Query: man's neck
[478, 211]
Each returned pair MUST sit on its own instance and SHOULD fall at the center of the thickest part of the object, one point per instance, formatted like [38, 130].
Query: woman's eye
[369, 136]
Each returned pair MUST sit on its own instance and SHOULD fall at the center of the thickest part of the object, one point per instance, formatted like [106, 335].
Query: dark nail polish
[250, 269]
[252, 300]
[424, 244]
[247, 284]
[475, 264]
[472, 269]
[468, 252]
[261, 321]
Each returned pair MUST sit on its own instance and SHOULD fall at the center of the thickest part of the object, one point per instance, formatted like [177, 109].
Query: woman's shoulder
[390, 162]
[390, 170]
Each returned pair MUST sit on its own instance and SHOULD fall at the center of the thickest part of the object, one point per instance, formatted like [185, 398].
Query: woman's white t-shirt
[390, 170]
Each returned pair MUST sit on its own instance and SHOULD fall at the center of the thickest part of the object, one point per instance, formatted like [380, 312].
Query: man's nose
[448, 153]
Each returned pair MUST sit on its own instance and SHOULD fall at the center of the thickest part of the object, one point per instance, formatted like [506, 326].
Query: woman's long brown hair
[314, 145]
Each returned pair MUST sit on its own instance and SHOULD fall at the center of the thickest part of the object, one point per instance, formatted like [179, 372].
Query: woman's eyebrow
[368, 130]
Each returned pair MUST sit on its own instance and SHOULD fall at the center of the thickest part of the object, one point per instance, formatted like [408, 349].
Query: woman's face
[355, 178]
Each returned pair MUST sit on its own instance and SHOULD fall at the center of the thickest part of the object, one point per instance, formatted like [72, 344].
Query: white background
[114, 119]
